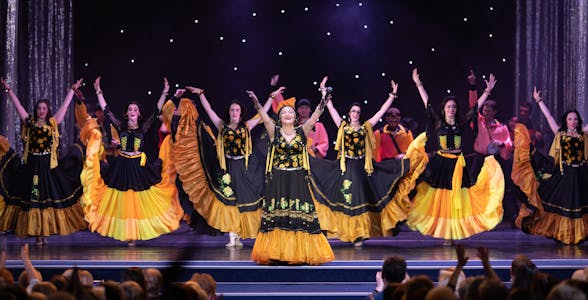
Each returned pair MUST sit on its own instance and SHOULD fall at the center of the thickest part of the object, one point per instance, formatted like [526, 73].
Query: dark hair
[228, 112]
[296, 121]
[527, 105]
[351, 106]
[49, 113]
[441, 120]
[564, 123]
[135, 274]
[523, 271]
[394, 269]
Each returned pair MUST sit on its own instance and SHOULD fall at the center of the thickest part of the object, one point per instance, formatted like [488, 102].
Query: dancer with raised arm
[45, 200]
[449, 204]
[131, 198]
[559, 208]
[238, 188]
[353, 191]
[290, 232]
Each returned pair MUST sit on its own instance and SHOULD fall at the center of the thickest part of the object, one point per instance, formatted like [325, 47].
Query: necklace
[285, 133]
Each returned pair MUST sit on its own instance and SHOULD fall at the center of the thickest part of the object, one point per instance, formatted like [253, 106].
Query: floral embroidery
[346, 190]
[225, 181]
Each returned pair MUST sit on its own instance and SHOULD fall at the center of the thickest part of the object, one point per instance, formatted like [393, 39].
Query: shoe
[132, 244]
[44, 240]
[234, 240]
[38, 241]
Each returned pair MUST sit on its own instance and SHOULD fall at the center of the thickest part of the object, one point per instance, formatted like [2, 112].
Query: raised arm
[267, 120]
[22, 112]
[490, 83]
[485, 259]
[251, 123]
[419, 84]
[550, 120]
[391, 96]
[99, 94]
[307, 126]
[462, 260]
[218, 122]
[164, 93]
[332, 110]
[60, 114]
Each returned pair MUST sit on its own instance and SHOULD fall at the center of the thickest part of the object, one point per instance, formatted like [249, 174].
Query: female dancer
[130, 199]
[46, 200]
[560, 205]
[238, 188]
[449, 204]
[353, 191]
[290, 231]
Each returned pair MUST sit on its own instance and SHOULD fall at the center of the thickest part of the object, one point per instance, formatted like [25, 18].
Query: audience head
[132, 290]
[206, 282]
[522, 271]
[153, 281]
[394, 269]
[566, 291]
[418, 287]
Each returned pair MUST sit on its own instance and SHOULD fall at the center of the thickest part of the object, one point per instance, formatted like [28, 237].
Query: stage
[350, 276]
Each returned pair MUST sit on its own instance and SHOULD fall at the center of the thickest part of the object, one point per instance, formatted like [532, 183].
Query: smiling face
[235, 113]
[450, 109]
[133, 112]
[572, 120]
[287, 115]
[354, 113]
[41, 110]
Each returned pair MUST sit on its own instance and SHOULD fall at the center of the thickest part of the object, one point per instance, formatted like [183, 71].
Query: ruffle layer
[130, 215]
[470, 211]
[291, 247]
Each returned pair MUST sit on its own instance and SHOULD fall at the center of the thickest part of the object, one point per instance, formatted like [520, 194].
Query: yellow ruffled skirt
[459, 213]
[291, 247]
[129, 215]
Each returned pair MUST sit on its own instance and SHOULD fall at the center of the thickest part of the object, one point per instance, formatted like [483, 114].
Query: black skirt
[288, 204]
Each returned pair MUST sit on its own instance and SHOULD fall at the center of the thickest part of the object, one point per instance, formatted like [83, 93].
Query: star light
[448, 91]
[171, 40]
[491, 8]
[360, 4]
[235, 69]
[365, 102]
[432, 49]
[254, 14]
[148, 92]
[195, 21]
[490, 35]
[328, 33]
[356, 76]
[391, 22]
[282, 11]
[306, 9]
[410, 62]
[132, 60]
[243, 40]
[86, 64]
[314, 83]
[337, 4]
[383, 74]
[465, 19]
[503, 59]
[365, 26]
[221, 38]
[280, 53]
[483, 76]
[122, 31]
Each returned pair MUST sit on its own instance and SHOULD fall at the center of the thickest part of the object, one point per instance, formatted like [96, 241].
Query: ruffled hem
[129, 215]
[44, 222]
[186, 149]
[470, 211]
[565, 230]
[291, 247]
[118, 217]
[348, 228]
[9, 218]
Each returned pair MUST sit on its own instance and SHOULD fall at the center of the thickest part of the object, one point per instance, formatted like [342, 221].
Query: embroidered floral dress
[45, 201]
[290, 232]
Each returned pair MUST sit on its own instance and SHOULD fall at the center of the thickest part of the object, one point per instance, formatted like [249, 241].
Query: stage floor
[504, 242]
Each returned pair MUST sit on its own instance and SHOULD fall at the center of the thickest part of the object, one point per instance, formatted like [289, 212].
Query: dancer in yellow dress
[449, 204]
[290, 232]
[131, 198]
